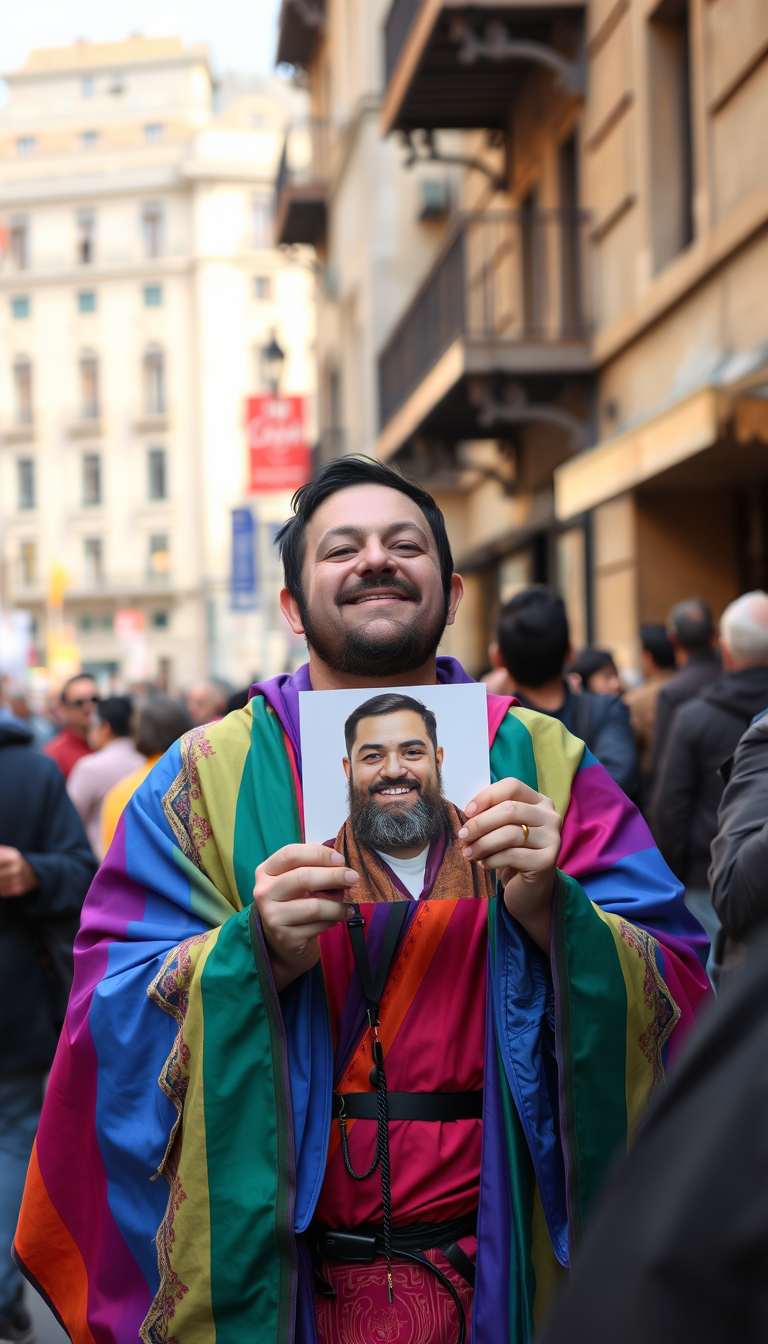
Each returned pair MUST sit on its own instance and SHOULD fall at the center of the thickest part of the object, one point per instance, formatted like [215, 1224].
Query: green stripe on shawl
[266, 818]
[592, 1027]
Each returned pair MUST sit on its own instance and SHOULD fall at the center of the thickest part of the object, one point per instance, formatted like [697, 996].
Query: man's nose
[374, 557]
[395, 766]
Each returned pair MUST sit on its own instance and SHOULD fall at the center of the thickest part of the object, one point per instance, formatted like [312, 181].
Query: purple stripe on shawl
[118, 1305]
[495, 1239]
[282, 693]
[601, 825]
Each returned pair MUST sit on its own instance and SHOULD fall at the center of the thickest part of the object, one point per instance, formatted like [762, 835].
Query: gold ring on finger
[526, 832]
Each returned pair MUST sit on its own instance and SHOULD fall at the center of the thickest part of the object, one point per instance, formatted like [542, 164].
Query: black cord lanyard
[373, 988]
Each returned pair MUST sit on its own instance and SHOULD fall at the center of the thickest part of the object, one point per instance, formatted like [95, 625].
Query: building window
[86, 236]
[160, 620]
[89, 139]
[152, 230]
[27, 563]
[157, 484]
[262, 288]
[159, 556]
[153, 296]
[25, 145]
[93, 556]
[22, 385]
[26, 481]
[153, 132]
[20, 306]
[91, 478]
[87, 86]
[89, 386]
[19, 244]
[261, 221]
[154, 381]
[86, 301]
[671, 139]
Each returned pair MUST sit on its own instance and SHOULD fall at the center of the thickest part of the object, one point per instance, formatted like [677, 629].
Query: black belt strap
[430, 1106]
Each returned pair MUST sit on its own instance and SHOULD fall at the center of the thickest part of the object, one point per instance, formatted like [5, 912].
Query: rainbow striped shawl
[184, 1134]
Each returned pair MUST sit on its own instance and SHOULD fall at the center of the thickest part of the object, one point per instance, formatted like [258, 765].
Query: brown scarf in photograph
[456, 875]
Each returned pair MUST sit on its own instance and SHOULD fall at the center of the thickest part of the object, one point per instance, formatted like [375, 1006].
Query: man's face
[204, 703]
[79, 704]
[373, 602]
[394, 783]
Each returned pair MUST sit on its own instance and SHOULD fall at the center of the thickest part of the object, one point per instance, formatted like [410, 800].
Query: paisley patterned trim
[664, 1012]
[191, 830]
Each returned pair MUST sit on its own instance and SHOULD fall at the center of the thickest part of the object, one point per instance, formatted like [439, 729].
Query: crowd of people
[669, 740]
[687, 742]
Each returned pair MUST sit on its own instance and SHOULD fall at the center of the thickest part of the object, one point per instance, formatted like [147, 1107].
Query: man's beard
[394, 828]
[359, 653]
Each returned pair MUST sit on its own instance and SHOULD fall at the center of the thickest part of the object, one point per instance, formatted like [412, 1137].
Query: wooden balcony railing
[501, 277]
[303, 176]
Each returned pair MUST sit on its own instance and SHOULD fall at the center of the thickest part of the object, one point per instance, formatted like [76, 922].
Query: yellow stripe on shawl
[651, 1013]
[557, 754]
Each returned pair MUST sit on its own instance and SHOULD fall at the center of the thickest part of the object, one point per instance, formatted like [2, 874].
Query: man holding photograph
[377, 1117]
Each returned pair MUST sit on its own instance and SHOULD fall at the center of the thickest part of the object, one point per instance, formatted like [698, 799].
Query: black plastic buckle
[357, 919]
[377, 1052]
[355, 1248]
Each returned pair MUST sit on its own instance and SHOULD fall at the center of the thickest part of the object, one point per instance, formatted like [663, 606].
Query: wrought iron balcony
[301, 188]
[300, 25]
[461, 64]
[506, 295]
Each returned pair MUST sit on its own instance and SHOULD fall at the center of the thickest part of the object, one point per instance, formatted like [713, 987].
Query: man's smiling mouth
[384, 596]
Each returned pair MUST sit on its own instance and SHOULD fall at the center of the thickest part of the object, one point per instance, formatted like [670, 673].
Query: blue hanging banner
[243, 582]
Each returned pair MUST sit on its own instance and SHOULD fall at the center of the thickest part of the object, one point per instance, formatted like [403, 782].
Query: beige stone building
[569, 338]
[139, 289]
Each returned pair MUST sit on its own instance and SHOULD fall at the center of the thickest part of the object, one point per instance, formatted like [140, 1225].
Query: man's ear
[495, 657]
[439, 755]
[347, 767]
[454, 598]
[290, 609]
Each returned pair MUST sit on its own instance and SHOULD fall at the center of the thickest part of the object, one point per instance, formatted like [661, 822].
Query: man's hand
[291, 916]
[17, 877]
[495, 837]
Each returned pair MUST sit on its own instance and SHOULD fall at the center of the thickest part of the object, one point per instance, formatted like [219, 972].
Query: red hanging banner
[279, 454]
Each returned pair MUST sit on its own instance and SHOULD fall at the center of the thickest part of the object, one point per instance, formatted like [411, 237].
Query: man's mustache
[372, 583]
[383, 784]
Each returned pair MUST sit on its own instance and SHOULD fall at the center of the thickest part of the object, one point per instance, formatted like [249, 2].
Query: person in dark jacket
[705, 732]
[46, 867]
[679, 1249]
[535, 644]
[738, 875]
[691, 632]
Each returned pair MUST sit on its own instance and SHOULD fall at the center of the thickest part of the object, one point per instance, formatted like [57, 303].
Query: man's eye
[339, 553]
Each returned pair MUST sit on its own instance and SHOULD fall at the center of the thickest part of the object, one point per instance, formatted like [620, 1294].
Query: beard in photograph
[382, 823]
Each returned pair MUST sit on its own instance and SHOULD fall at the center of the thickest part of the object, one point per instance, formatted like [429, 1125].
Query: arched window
[22, 386]
[89, 386]
[154, 381]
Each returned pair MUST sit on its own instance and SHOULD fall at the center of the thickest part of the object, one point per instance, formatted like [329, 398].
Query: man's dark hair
[389, 703]
[692, 624]
[533, 635]
[159, 721]
[79, 676]
[655, 641]
[340, 474]
[590, 661]
[116, 710]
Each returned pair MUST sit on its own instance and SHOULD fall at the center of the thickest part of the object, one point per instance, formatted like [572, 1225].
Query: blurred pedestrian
[705, 732]
[239, 699]
[657, 661]
[17, 701]
[207, 700]
[46, 867]
[738, 875]
[678, 1251]
[535, 644]
[596, 672]
[158, 722]
[114, 757]
[77, 705]
[691, 632]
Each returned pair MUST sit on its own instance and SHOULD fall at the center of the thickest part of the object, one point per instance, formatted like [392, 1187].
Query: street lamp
[274, 358]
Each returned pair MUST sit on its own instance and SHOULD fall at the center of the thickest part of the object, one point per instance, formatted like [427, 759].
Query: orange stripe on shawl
[63, 1276]
[421, 942]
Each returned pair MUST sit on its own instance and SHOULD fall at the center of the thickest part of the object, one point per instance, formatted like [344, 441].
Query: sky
[241, 34]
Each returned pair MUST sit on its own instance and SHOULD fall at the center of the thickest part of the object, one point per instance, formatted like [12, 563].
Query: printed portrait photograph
[387, 774]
